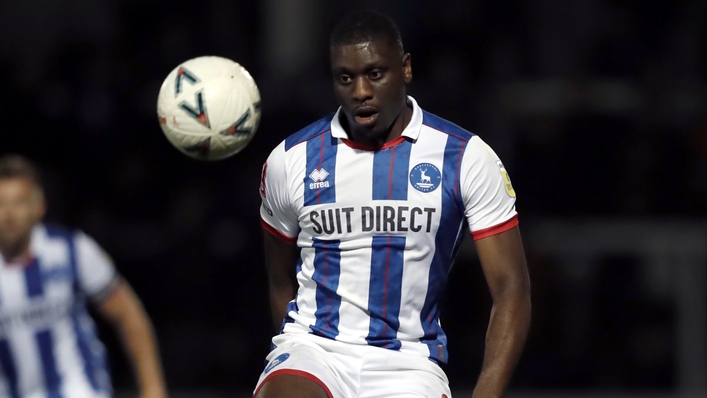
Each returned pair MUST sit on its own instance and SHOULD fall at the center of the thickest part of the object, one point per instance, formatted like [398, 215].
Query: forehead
[17, 185]
[364, 53]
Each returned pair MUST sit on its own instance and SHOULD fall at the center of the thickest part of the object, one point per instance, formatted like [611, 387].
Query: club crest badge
[425, 177]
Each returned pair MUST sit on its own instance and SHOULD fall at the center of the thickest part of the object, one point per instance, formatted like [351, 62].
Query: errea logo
[318, 175]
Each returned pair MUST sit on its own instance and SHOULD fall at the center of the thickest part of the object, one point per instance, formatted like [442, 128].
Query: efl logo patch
[506, 180]
[280, 359]
[425, 177]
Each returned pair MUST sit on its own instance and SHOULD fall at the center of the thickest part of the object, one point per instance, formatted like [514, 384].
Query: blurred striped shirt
[48, 344]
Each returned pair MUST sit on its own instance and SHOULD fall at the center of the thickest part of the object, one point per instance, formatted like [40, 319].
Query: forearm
[508, 327]
[280, 260]
[125, 312]
[139, 342]
[280, 296]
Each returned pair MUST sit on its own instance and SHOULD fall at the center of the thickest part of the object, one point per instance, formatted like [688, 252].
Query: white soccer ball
[209, 107]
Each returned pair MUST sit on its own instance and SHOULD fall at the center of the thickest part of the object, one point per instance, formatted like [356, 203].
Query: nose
[362, 89]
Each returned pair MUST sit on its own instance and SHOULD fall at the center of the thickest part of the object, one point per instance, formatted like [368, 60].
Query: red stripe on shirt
[390, 175]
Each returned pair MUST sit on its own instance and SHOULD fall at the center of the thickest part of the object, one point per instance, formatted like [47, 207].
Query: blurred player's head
[21, 203]
[370, 72]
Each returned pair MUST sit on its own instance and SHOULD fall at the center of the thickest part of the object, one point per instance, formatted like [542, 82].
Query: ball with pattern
[209, 107]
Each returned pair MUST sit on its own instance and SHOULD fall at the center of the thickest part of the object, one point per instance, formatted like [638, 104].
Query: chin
[370, 132]
[13, 239]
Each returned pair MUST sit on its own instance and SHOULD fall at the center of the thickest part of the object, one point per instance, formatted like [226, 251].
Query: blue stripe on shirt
[327, 269]
[44, 339]
[319, 127]
[7, 361]
[33, 279]
[92, 363]
[385, 290]
[92, 355]
[52, 381]
[447, 240]
[390, 172]
[320, 172]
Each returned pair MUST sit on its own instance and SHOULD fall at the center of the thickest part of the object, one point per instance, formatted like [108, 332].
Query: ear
[41, 210]
[407, 68]
[40, 205]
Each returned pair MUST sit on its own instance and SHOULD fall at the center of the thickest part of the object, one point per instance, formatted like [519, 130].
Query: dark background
[597, 107]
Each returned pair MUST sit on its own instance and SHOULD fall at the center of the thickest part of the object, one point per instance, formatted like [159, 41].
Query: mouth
[365, 115]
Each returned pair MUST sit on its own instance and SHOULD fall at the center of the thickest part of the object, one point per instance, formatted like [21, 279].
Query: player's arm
[280, 230]
[503, 262]
[123, 309]
[280, 261]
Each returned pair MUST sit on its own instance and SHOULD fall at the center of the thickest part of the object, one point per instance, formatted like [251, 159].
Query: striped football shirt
[379, 228]
[48, 343]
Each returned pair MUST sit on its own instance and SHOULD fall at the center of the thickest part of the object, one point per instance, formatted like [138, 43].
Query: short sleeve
[276, 212]
[96, 272]
[487, 192]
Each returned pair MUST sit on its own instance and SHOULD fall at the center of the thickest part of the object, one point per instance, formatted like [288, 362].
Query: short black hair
[366, 26]
[17, 166]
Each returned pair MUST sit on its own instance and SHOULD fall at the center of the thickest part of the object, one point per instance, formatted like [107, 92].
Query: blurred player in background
[48, 345]
[364, 211]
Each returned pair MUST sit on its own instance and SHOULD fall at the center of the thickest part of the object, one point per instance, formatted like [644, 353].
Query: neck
[14, 252]
[394, 131]
[398, 126]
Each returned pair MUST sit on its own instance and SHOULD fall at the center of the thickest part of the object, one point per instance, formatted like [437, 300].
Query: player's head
[370, 71]
[21, 201]
[365, 27]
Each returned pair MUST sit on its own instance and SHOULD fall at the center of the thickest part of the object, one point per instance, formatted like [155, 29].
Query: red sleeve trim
[496, 229]
[295, 372]
[277, 233]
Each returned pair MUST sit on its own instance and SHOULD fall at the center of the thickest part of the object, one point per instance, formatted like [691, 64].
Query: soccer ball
[209, 107]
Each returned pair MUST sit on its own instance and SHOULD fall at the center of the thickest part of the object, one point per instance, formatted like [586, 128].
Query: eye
[344, 79]
[375, 74]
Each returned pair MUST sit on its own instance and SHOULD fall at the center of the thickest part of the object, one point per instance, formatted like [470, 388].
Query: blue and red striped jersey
[379, 228]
